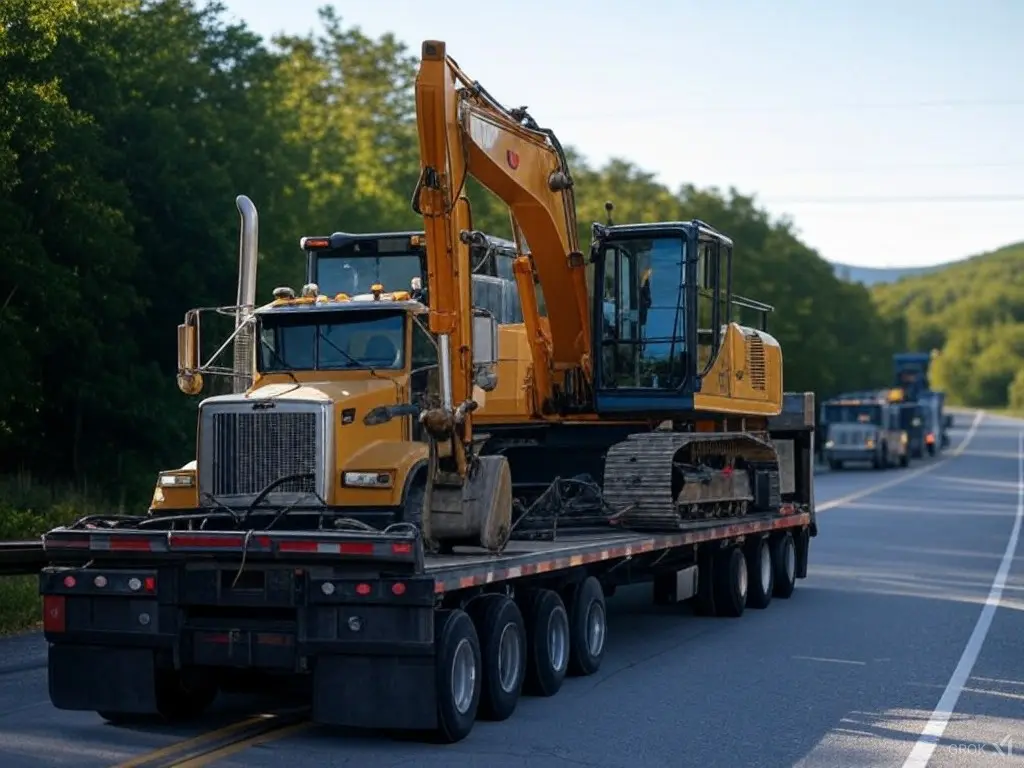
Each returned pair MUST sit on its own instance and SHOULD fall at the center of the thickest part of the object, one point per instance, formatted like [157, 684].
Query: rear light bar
[383, 547]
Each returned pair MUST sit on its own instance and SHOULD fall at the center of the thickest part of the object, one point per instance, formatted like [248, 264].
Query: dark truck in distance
[865, 427]
[155, 615]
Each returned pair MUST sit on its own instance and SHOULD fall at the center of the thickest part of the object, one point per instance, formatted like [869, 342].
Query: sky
[892, 134]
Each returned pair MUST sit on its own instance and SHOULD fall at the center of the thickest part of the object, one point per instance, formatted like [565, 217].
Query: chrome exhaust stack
[248, 250]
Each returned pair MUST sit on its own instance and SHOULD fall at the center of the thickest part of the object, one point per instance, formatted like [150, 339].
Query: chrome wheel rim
[463, 676]
[509, 657]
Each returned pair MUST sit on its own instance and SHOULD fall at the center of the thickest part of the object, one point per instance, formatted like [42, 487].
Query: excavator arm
[464, 132]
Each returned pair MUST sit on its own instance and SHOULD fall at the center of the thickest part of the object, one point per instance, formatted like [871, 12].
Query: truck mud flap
[93, 678]
[375, 692]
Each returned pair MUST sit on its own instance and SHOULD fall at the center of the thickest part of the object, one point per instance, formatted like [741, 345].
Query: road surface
[914, 604]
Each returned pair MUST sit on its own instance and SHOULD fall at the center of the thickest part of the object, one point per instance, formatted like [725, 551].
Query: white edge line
[907, 476]
[925, 746]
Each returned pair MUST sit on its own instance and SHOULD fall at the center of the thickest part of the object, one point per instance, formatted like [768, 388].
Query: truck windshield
[320, 341]
[853, 414]
[356, 267]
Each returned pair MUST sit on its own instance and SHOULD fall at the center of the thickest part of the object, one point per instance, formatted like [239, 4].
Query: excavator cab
[662, 313]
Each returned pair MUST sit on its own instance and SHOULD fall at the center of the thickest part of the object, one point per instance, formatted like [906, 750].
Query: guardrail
[21, 558]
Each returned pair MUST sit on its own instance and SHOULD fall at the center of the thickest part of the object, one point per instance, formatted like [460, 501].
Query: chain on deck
[659, 486]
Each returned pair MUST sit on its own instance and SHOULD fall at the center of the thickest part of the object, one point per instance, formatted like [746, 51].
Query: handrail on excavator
[464, 131]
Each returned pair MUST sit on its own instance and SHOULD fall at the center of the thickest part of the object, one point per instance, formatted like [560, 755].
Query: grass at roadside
[27, 510]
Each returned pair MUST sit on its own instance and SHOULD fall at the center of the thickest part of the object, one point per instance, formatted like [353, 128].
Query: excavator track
[663, 481]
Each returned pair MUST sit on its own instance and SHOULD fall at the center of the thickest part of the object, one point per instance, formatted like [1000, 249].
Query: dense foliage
[973, 313]
[127, 127]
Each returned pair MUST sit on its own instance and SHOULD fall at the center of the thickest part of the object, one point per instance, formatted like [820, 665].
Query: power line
[884, 168]
[742, 108]
[872, 200]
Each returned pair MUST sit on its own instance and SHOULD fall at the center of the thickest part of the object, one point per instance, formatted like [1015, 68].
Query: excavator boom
[464, 132]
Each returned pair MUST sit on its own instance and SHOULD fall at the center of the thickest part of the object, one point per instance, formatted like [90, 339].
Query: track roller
[588, 626]
[547, 632]
[761, 572]
[502, 632]
[784, 565]
[458, 665]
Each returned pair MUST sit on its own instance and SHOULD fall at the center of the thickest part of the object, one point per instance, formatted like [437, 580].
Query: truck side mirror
[485, 349]
[948, 421]
[190, 380]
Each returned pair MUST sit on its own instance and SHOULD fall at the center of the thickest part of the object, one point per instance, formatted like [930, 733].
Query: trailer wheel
[547, 630]
[458, 675]
[784, 561]
[730, 583]
[759, 566]
[588, 626]
[180, 696]
[502, 633]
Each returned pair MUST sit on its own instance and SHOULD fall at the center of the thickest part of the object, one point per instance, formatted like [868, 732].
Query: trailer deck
[527, 558]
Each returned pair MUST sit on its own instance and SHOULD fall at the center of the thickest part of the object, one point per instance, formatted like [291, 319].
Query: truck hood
[325, 391]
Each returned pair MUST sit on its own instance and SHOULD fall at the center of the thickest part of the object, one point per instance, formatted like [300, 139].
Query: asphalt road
[891, 621]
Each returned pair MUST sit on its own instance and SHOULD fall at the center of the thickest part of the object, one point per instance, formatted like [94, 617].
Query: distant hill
[878, 275]
[973, 312]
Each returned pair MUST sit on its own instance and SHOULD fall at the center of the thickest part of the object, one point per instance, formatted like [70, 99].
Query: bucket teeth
[665, 481]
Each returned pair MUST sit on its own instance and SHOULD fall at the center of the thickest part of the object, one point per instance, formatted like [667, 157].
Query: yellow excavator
[641, 375]
[636, 384]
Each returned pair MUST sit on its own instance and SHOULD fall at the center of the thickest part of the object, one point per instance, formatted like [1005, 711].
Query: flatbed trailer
[386, 635]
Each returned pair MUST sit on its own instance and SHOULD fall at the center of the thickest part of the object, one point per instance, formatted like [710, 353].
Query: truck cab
[329, 424]
[864, 429]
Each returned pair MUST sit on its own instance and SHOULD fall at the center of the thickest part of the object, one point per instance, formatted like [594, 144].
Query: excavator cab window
[641, 328]
[713, 304]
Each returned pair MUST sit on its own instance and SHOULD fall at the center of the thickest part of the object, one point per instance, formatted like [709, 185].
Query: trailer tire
[784, 561]
[458, 675]
[759, 567]
[588, 626]
[547, 631]
[730, 583]
[502, 632]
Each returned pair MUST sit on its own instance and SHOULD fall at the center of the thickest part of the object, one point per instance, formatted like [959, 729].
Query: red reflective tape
[298, 546]
[54, 619]
[356, 548]
[129, 544]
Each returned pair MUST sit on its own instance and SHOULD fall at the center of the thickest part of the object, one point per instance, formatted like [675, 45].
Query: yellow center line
[197, 741]
[230, 749]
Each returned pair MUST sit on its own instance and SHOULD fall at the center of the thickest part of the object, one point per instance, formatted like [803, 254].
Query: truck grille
[249, 450]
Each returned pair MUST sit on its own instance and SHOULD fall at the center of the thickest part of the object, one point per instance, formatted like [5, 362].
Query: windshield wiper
[353, 362]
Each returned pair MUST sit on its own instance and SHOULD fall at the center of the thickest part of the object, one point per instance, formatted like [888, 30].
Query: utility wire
[910, 199]
[752, 109]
